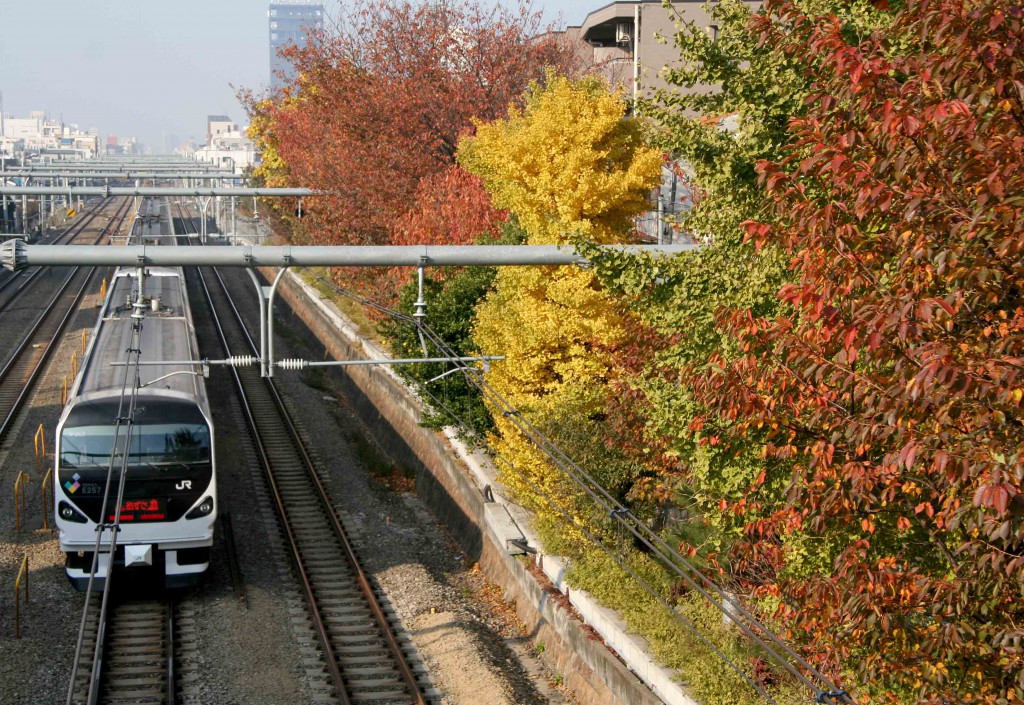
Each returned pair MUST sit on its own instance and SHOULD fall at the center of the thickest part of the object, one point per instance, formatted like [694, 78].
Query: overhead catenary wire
[565, 513]
[619, 560]
[123, 422]
[616, 511]
[687, 571]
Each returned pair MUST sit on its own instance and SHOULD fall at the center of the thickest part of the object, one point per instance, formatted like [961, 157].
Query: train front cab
[169, 505]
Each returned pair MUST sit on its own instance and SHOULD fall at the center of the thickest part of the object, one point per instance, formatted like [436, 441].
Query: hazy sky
[147, 68]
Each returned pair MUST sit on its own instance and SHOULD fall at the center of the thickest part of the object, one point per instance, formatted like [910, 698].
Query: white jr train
[169, 505]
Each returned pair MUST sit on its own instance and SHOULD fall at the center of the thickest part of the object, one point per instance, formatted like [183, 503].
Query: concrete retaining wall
[450, 478]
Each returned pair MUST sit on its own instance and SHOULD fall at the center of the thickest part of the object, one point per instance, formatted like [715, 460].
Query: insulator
[292, 364]
[241, 360]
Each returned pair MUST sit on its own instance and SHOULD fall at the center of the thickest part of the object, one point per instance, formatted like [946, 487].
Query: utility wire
[619, 560]
[617, 511]
[123, 422]
[671, 558]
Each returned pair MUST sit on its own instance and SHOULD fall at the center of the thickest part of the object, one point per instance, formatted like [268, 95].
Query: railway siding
[392, 412]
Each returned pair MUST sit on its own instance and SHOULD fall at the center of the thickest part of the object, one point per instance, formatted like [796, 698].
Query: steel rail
[67, 236]
[397, 657]
[27, 385]
[132, 656]
[234, 568]
[319, 627]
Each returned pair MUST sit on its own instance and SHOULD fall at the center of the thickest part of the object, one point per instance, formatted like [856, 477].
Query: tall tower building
[290, 22]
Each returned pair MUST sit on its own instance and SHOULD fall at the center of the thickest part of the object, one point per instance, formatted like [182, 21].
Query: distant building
[40, 134]
[118, 146]
[217, 125]
[620, 40]
[289, 23]
[186, 150]
[229, 149]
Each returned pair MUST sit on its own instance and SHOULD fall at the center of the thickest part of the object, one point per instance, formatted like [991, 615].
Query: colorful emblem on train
[72, 487]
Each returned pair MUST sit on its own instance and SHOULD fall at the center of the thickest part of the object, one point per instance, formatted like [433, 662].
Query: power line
[619, 560]
[127, 422]
[749, 625]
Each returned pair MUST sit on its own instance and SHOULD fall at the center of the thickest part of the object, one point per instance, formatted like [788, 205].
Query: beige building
[620, 40]
[218, 126]
[39, 133]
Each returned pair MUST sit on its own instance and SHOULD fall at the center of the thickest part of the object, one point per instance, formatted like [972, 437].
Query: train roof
[167, 335]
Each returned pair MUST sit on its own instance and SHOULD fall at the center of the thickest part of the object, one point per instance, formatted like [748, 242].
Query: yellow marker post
[22, 579]
[40, 439]
[46, 493]
[74, 364]
[103, 289]
[85, 338]
[19, 499]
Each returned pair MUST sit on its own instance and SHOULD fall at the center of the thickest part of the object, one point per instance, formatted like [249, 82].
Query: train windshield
[151, 444]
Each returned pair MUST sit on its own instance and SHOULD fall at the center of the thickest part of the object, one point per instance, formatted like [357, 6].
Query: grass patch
[381, 466]
[352, 310]
[708, 679]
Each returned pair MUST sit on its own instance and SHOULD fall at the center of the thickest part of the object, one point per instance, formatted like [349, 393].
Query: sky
[149, 69]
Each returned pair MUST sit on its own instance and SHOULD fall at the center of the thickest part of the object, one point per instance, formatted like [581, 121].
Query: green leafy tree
[728, 104]
[876, 406]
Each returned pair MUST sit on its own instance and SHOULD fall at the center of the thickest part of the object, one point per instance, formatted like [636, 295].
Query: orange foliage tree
[381, 101]
[890, 386]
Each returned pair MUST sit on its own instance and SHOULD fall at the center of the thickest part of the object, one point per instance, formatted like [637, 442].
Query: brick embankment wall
[392, 412]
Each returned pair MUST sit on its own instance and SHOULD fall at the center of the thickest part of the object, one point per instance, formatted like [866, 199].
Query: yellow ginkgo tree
[569, 163]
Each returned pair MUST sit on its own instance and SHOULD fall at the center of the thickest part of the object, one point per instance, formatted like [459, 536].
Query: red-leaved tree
[892, 383]
[381, 101]
[450, 208]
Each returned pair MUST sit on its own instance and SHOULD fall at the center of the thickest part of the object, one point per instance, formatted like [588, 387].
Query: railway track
[22, 370]
[129, 646]
[136, 664]
[365, 659]
[14, 283]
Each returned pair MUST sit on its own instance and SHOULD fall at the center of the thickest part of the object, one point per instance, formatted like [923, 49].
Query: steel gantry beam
[16, 255]
[93, 166]
[150, 191]
[201, 175]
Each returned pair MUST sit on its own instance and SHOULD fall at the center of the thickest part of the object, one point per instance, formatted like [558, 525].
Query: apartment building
[621, 39]
[289, 23]
[41, 134]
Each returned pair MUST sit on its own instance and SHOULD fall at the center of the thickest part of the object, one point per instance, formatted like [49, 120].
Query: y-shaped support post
[265, 294]
[270, 320]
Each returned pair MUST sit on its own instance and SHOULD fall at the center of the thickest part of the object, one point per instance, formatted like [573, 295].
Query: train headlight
[204, 509]
[69, 513]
